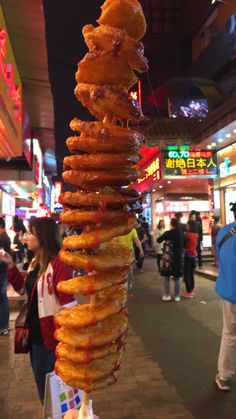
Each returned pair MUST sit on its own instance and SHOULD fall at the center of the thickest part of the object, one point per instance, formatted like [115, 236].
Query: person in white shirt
[158, 247]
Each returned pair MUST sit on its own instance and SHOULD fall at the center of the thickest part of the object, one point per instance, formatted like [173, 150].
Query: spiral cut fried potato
[101, 68]
[114, 40]
[82, 356]
[93, 179]
[90, 284]
[124, 14]
[105, 101]
[103, 168]
[101, 161]
[110, 256]
[98, 235]
[89, 338]
[103, 199]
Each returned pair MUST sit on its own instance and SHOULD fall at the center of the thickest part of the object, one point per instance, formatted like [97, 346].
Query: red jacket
[50, 301]
[191, 242]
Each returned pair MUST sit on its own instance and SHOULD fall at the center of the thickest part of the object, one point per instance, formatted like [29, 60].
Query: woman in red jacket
[43, 275]
[190, 253]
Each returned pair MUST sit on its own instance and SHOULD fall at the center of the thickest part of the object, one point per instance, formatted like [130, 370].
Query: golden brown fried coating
[82, 315]
[99, 234]
[110, 256]
[84, 356]
[90, 284]
[124, 14]
[103, 200]
[101, 161]
[100, 137]
[96, 179]
[83, 385]
[95, 371]
[116, 41]
[79, 217]
[107, 101]
[103, 68]
[89, 338]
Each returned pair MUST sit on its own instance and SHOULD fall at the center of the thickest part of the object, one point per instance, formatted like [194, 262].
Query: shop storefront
[225, 186]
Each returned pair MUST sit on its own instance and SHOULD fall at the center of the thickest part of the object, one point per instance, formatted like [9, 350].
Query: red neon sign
[7, 71]
[151, 173]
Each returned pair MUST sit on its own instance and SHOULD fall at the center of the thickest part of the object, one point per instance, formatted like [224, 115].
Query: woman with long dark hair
[43, 275]
[171, 259]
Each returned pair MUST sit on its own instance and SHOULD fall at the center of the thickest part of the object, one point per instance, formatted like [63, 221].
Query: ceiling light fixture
[234, 131]
[220, 140]
[160, 186]
[228, 135]
[209, 147]
[213, 144]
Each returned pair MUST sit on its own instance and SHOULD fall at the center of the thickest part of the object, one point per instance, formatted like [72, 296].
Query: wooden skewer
[84, 409]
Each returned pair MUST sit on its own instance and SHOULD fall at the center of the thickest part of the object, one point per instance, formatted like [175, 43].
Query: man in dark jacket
[5, 246]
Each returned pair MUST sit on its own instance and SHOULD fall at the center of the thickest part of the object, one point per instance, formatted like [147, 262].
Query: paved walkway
[168, 369]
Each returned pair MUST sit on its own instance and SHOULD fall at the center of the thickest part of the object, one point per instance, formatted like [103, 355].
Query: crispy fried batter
[90, 284]
[94, 179]
[124, 14]
[103, 68]
[73, 381]
[116, 41]
[99, 234]
[110, 256]
[80, 218]
[107, 101]
[104, 199]
[95, 371]
[88, 338]
[84, 356]
[99, 161]
[110, 301]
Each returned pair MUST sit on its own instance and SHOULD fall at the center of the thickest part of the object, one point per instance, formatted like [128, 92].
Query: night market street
[169, 365]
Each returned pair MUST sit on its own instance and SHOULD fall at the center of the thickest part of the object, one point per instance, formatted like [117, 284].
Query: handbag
[21, 338]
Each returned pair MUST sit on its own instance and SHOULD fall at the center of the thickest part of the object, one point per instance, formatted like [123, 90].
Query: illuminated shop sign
[185, 161]
[150, 174]
[10, 97]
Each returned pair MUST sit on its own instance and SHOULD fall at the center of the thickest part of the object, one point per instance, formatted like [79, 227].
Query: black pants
[138, 258]
[189, 266]
[159, 258]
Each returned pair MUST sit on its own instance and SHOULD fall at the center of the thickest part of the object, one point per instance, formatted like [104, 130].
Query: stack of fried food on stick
[102, 167]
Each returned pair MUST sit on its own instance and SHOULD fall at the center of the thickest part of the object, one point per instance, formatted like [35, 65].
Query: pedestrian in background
[216, 226]
[43, 275]
[130, 240]
[171, 260]
[158, 247]
[195, 216]
[139, 255]
[190, 254]
[5, 246]
[226, 289]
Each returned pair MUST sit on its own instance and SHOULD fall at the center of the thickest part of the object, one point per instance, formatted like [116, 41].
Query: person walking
[190, 253]
[171, 260]
[43, 275]
[139, 255]
[5, 246]
[158, 247]
[130, 240]
[195, 216]
[226, 289]
[216, 226]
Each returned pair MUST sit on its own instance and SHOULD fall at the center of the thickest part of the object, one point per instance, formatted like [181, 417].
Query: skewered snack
[108, 198]
[101, 68]
[90, 338]
[105, 101]
[100, 161]
[90, 284]
[103, 168]
[93, 179]
[114, 40]
[124, 14]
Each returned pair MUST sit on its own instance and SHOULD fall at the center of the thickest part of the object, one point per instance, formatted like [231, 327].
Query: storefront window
[230, 196]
